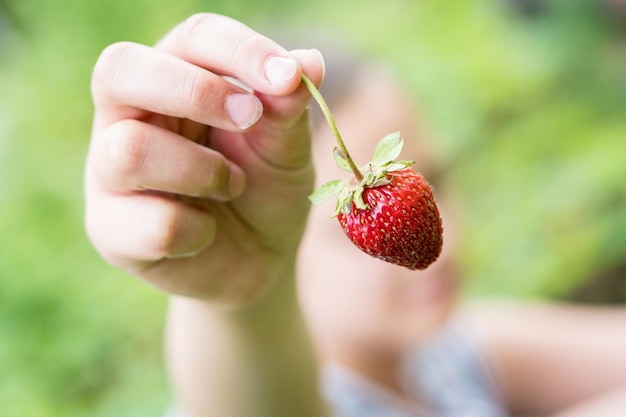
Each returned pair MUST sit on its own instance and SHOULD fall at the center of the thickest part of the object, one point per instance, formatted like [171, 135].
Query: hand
[192, 182]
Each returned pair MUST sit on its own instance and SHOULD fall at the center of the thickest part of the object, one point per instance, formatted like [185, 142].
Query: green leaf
[340, 160]
[388, 149]
[377, 182]
[397, 165]
[326, 191]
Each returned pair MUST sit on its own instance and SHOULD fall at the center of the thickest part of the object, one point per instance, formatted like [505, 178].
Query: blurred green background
[526, 101]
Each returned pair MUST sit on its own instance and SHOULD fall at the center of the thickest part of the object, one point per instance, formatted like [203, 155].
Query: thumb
[282, 135]
[284, 111]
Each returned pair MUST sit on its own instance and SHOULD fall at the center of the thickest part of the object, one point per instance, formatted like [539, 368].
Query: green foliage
[528, 116]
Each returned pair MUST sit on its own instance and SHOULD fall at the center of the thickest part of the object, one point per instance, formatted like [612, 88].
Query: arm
[561, 360]
[606, 404]
[253, 362]
[199, 187]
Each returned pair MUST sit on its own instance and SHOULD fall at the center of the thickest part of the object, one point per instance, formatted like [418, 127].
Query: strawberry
[389, 212]
[401, 224]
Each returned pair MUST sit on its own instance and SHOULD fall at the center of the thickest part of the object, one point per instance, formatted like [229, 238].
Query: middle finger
[135, 156]
[130, 79]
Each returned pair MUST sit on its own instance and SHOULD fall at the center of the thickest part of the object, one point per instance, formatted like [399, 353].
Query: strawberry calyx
[349, 192]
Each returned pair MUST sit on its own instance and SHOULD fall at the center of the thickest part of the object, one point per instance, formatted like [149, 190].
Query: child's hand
[193, 183]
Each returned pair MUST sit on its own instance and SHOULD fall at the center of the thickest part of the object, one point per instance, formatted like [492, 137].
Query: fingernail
[279, 70]
[244, 109]
[237, 180]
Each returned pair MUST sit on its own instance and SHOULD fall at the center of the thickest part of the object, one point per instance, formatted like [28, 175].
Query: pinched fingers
[282, 136]
[131, 155]
[228, 47]
[282, 112]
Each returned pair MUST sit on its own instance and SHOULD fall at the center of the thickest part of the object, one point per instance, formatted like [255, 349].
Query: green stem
[333, 126]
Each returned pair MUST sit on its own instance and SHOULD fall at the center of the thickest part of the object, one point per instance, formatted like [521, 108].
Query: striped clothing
[448, 374]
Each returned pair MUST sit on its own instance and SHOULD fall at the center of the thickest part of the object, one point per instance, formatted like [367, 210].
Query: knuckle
[197, 25]
[127, 149]
[245, 46]
[242, 44]
[165, 232]
[107, 66]
[197, 90]
[196, 20]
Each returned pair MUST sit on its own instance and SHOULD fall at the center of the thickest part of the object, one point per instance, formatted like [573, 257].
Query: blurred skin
[199, 187]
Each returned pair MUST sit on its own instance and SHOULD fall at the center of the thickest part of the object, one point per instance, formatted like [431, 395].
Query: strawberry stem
[333, 126]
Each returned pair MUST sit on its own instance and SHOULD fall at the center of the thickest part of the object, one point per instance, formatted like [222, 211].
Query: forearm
[254, 361]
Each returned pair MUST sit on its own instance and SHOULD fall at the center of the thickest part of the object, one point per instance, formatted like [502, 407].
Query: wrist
[252, 285]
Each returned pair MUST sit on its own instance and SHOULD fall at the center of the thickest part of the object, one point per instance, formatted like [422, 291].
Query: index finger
[227, 47]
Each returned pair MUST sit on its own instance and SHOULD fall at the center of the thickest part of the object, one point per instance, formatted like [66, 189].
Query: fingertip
[312, 63]
[284, 110]
[320, 58]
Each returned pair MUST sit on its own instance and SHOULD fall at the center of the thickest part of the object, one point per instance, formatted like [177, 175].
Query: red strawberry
[401, 224]
[390, 212]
